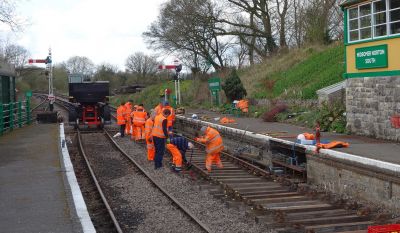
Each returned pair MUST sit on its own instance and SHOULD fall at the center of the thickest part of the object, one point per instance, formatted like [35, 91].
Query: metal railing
[14, 115]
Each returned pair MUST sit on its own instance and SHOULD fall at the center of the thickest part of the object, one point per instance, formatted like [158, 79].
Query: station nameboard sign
[372, 57]
[214, 84]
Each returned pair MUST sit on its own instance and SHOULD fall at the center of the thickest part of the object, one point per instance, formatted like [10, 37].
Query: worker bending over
[160, 134]
[177, 146]
[148, 128]
[121, 118]
[139, 120]
[182, 144]
[214, 146]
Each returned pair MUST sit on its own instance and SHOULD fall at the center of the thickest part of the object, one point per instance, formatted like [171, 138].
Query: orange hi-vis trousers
[138, 132]
[176, 155]
[151, 150]
[213, 158]
[128, 126]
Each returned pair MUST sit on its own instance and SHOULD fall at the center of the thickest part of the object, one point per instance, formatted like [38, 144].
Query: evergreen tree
[233, 87]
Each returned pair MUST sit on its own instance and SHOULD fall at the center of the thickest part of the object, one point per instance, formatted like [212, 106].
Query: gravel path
[207, 208]
[136, 203]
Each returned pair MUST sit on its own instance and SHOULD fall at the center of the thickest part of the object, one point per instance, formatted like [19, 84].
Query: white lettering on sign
[214, 84]
[370, 61]
[371, 53]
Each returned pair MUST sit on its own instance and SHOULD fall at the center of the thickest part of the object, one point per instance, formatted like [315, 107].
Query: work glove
[168, 141]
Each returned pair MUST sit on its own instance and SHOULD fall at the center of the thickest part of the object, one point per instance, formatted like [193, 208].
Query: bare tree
[8, 15]
[188, 25]
[16, 55]
[81, 65]
[141, 64]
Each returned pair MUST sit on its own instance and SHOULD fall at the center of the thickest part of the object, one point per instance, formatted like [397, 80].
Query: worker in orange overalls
[148, 127]
[128, 110]
[132, 130]
[170, 118]
[214, 146]
[121, 118]
[177, 147]
[139, 120]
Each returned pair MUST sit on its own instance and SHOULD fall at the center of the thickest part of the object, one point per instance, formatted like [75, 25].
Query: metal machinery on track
[90, 102]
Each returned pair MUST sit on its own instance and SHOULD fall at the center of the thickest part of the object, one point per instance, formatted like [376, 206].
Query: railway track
[110, 165]
[278, 203]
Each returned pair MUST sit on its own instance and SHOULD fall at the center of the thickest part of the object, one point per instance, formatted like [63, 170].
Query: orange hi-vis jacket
[213, 141]
[121, 115]
[148, 127]
[158, 127]
[171, 117]
[139, 117]
[128, 110]
[158, 109]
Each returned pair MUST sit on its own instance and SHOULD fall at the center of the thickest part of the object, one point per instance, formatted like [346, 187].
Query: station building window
[377, 19]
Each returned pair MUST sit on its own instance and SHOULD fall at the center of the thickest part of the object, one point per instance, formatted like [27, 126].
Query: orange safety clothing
[243, 105]
[121, 115]
[226, 120]
[171, 117]
[139, 120]
[176, 155]
[213, 141]
[128, 110]
[158, 109]
[334, 144]
[151, 150]
[213, 158]
[158, 127]
[309, 136]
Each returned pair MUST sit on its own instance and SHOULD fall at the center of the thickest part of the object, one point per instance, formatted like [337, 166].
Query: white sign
[51, 97]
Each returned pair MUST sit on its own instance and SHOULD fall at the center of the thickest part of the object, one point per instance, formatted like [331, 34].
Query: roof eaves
[346, 3]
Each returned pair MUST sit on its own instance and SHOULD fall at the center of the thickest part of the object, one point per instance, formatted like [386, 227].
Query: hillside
[297, 74]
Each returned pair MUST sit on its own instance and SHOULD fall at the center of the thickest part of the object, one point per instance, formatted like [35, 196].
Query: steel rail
[110, 212]
[155, 183]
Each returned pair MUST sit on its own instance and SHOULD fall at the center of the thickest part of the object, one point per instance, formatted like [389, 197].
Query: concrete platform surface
[362, 146]
[33, 195]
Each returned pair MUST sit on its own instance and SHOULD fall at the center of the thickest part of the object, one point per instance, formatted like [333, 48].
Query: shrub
[233, 87]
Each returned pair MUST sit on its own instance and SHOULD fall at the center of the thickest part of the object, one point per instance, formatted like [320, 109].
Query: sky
[104, 31]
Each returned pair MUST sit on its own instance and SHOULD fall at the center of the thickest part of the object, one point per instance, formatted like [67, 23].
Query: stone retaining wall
[370, 103]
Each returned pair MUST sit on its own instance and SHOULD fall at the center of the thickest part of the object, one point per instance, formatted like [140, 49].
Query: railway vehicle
[89, 102]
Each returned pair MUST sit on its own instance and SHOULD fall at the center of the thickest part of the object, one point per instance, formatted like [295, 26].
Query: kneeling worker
[214, 146]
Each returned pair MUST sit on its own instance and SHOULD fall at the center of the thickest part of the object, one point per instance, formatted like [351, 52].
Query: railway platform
[35, 195]
[377, 149]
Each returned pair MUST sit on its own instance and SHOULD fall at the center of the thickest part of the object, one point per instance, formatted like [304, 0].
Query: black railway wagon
[7, 84]
[89, 92]
[90, 100]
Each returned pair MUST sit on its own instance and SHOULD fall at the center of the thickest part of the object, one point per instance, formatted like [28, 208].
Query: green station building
[372, 67]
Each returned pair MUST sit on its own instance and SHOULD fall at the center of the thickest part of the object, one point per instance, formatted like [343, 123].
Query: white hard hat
[301, 137]
[203, 129]
[190, 145]
[194, 116]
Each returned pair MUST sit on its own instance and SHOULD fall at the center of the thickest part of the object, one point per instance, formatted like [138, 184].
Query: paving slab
[382, 150]
[33, 194]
